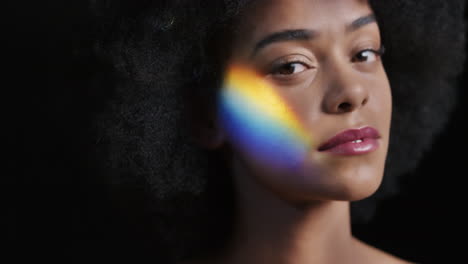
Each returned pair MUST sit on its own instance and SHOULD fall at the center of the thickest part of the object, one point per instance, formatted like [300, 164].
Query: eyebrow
[286, 35]
[306, 34]
[360, 22]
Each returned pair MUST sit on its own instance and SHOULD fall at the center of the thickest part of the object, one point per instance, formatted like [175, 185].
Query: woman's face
[322, 57]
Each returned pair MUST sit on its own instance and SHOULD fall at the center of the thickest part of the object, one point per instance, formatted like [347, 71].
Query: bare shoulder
[375, 255]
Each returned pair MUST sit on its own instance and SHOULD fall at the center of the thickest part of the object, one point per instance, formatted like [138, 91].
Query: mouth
[352, 142]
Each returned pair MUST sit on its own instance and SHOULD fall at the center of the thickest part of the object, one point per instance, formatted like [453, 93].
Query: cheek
[261, 138]
[383, 100]
[259, 123]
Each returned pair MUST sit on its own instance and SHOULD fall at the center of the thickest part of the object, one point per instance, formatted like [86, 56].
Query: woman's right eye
[289, 68]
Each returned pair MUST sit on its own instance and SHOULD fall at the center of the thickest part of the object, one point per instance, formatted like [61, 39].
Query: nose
[346, 92]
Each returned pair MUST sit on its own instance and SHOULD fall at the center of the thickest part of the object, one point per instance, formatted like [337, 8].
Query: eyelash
[380, 52]
[282, 66]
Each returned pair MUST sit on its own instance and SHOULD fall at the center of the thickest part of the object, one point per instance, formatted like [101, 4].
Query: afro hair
[159, 49]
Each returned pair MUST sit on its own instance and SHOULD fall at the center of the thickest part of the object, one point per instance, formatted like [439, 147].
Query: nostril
[345, 107]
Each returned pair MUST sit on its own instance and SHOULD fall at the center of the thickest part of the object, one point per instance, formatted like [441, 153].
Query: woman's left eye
[367, 55]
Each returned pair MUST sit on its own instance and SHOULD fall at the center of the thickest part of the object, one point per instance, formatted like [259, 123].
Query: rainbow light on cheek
[259, 122]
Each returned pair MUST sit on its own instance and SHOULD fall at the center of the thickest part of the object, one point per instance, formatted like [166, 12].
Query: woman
[271, 196]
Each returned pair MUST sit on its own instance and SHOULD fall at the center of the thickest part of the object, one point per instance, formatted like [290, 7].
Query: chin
[354, 185]
[331, 179]
[355, 193]
[351, 186]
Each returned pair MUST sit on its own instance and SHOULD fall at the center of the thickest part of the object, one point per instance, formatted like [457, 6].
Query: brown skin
[333, 85]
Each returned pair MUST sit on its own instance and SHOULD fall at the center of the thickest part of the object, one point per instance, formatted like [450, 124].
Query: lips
[352, 142]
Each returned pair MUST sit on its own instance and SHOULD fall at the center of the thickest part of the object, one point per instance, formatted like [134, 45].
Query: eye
[368, 55]
[289, 68]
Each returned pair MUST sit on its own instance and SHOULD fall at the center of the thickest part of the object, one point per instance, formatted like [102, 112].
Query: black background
[58, 210]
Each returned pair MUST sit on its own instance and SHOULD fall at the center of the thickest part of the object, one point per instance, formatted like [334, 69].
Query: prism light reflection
[259, 122]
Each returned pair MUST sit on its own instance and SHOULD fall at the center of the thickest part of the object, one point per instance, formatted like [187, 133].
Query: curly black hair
[164, 51]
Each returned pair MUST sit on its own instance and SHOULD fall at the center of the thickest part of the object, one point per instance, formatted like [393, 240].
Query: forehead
[267, 16]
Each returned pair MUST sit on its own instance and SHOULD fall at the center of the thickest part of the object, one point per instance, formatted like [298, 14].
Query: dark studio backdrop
[59, 210]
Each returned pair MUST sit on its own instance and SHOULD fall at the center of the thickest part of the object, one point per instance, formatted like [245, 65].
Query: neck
[272, 230]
